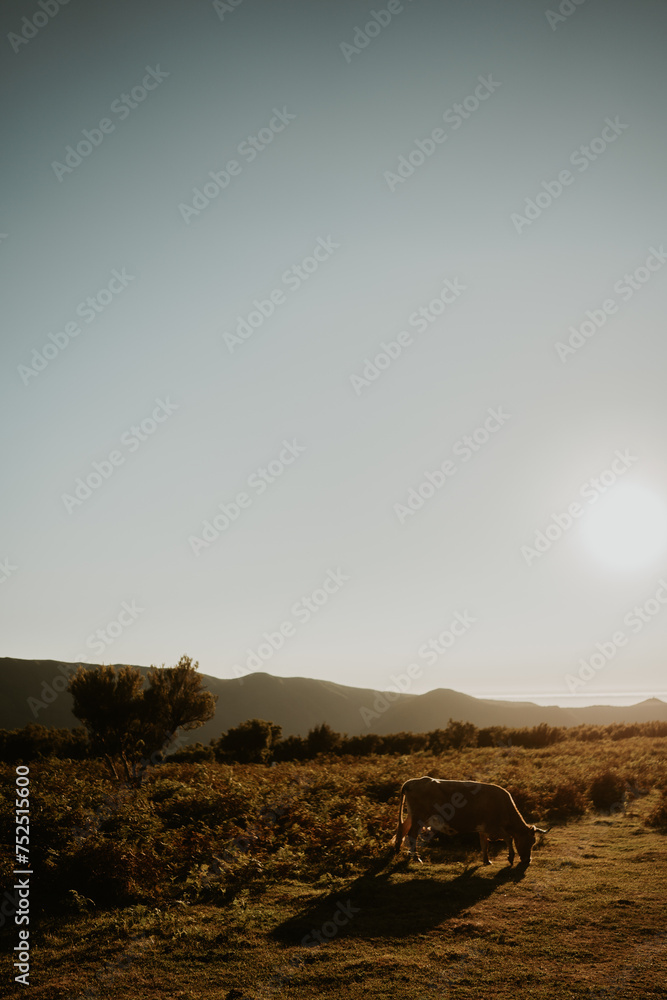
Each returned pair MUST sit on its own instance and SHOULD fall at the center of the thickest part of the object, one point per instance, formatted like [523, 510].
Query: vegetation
[259, 741]
[127, 722]
[207, 877]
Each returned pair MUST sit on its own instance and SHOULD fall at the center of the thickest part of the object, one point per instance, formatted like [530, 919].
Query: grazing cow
[463, 807]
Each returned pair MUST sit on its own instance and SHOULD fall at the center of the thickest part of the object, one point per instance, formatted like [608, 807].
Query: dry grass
[586, 919]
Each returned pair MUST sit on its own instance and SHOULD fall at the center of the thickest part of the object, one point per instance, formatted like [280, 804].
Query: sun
[627, 528]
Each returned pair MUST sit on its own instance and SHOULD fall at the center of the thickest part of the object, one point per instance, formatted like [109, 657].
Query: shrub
[456, 736]
[291, 748]
[658, 817]
[361, 746]
[588, 734]
[251, 742]
[382, 791]
[115, 873]
[322, 739]
[624, 732]
[527, 802]
[566, 801]
[607, 791]
[195, 753]
[492, 736]
[543, 735]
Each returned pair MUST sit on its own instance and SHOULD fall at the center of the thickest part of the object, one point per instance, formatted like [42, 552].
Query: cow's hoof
[487, 862]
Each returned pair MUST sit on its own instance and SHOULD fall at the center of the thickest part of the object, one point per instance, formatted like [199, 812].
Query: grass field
[302, 854]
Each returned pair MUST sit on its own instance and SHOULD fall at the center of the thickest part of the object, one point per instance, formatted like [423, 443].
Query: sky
[334, 341]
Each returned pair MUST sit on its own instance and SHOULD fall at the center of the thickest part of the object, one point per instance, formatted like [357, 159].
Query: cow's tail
[398, 839]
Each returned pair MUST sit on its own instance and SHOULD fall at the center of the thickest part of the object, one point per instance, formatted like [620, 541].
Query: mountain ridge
[34, 691]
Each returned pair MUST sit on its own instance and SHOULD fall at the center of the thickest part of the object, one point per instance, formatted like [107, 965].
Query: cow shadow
[377, 905]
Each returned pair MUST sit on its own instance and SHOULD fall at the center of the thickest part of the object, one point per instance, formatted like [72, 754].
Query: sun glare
[627, 528]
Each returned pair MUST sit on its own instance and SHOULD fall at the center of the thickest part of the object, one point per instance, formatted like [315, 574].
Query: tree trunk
[110, 764]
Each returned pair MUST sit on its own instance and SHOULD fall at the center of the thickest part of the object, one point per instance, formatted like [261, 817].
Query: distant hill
[299, 703]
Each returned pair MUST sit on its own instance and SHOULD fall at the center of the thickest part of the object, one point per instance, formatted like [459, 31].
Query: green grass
[585, 919]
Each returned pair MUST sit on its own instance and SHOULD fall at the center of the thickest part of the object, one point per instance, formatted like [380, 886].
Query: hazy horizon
[335, 342]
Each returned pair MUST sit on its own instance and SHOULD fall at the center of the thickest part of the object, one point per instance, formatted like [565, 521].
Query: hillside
[299, 703]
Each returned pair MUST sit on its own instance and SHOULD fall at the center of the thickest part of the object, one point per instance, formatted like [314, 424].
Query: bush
[361, 746]
[492, 736]
[658, 817]
[624, 732]
[251, 742]
[456, 736]
[607, 791]
[566, 801]
[588, 734]
[114, 873]
[527, 802]
[536, 737]
[291, 748]
[322, 739]
[195, 753]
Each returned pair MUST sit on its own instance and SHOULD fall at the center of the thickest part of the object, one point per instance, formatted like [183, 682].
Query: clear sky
[315, 314]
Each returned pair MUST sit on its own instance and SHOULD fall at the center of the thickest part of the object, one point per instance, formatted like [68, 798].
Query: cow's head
[525, 841]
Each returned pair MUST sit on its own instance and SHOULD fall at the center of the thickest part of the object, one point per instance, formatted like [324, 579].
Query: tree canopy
[126, 721]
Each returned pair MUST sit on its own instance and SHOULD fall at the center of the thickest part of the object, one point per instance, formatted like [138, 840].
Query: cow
[463, 807]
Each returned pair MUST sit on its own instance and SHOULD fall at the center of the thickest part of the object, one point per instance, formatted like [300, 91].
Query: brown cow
[463, 807]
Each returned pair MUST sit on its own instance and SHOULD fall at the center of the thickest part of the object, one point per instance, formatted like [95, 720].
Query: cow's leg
[510, 853]
[412, 832]
[484, 844]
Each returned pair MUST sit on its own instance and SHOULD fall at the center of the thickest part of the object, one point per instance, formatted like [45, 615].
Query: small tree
[125, 721]
[290, 748]
[322, 739]
[251, 742]
[174, 700]
[108, 704]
